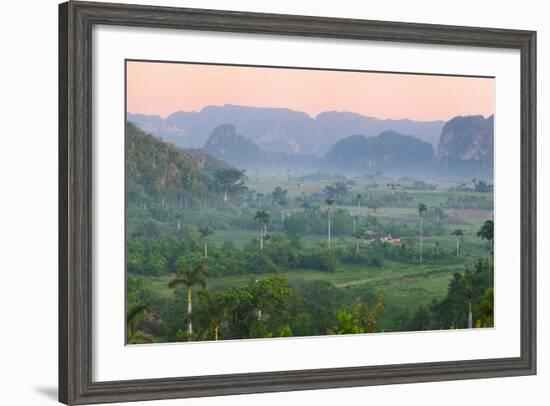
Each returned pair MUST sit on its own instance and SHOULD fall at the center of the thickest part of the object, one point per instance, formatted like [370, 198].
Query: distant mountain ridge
[346, 123]
[464, 148]
[226, 144]
[278, 129]
[389, 152]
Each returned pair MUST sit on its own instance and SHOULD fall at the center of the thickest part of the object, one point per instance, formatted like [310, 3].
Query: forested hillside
[156, 169]
[162, 180]
[390, 152]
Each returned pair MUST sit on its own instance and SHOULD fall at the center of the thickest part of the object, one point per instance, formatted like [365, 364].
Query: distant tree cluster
[482, 186]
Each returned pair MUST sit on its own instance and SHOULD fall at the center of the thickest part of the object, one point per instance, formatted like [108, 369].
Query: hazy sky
[163, 88]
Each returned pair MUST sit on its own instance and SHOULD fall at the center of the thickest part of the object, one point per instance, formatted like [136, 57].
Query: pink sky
[163, 88]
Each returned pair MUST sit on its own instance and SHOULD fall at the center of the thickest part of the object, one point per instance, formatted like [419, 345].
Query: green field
[405, 285]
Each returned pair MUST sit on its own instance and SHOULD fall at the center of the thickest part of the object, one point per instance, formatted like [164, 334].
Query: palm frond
[134, 312]
[141, 337]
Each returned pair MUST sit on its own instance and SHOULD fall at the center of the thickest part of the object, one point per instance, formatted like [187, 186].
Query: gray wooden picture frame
[76, 20]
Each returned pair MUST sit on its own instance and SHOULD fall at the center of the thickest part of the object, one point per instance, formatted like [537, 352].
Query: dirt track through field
[472, 213]
[398, 280]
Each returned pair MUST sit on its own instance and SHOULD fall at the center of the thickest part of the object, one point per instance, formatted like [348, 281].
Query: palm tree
[341, 189]
[214, 311]
[190, 276]
[486, 232]
[133, 334]
[306, 205]
[230, 181]
[267, 217]
[359, 198]
[282, 203]
[205, 232]
[458, 233]
[372, 205]
[422, 208]
[438, 213]
[355, 219]
[262, 217]
[279, 196]
[329, 203]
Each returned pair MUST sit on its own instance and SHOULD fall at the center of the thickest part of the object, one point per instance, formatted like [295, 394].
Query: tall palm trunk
[189, 310]
[205, 248]
[216, 333]
[261, 237]
[225, 196]
[354, 226]
[457, 246]
[329, 228]
[421, 226]
[470, 318]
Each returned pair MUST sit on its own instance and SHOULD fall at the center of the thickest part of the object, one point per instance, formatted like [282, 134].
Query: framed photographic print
[257, 202]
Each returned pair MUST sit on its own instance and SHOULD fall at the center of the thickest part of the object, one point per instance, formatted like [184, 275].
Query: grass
[402, 285]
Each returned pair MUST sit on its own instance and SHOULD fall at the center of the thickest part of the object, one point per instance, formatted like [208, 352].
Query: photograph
[271, 202]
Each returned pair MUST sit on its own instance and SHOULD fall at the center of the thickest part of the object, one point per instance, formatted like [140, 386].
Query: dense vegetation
[214, 253]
